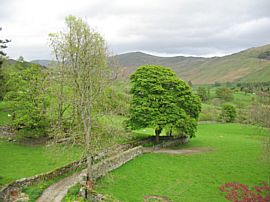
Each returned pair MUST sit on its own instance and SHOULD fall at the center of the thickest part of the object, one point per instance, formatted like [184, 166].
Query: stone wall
[168, 143]
[172, 142]
[116, 161]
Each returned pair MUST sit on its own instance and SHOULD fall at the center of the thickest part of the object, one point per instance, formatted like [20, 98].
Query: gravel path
[57, 191]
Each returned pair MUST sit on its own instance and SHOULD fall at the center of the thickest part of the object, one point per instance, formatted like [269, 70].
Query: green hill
[250, 65]
[45, 63]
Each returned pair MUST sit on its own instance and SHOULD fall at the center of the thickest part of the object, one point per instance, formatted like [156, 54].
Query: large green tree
[161, 100]
[28, 95]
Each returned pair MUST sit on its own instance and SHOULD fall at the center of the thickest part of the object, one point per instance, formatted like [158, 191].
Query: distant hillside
[24, 63]
[45, 63]
[250, 65]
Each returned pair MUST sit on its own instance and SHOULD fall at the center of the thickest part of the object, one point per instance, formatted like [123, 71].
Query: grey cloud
[191, 27]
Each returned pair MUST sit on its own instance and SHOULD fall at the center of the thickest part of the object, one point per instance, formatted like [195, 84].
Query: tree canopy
[28, 95]
[3, 45]
[161, 100]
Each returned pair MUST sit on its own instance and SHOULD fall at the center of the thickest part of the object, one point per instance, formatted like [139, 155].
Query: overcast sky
[161, 27]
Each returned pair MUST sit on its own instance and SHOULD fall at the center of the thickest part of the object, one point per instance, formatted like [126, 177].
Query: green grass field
[236, 156]
[18, 161]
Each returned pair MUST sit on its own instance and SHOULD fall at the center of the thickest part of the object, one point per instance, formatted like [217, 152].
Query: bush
[242, 193]
[228, 113]
[224, 94]
[203, 93]
[29, 98]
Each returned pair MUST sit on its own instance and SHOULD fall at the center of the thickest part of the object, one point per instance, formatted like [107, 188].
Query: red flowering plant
[238, 192]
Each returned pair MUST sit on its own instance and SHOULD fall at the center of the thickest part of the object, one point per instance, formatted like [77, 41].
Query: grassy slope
[259, 75]
[226, 69]
[236, 158]
[243, 66]
[18, 161]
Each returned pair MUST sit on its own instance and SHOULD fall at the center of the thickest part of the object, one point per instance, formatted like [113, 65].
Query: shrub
[224, 94]
[228, 113]
[29, 98]
[238, 192]
[203, 93]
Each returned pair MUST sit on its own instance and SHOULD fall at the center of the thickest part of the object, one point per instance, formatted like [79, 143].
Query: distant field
[236, 156]
[18, 161]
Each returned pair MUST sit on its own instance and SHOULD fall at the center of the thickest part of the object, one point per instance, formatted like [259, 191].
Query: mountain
[24, 63]
[45, 63]
[251, 65]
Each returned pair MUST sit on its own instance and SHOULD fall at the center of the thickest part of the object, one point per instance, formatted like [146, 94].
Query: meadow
[19, 161]
[235, 155]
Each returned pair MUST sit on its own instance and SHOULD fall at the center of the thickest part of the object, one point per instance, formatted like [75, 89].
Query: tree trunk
[157, 132]
[170, 133]
[86, 116]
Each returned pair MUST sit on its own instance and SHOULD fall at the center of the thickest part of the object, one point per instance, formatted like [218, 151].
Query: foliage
[81, 56]
[224, 94]
[253, 87]
[228, 113]
[260, 115]
[264, 55]
[174, 176]
[203, 93]
[209, 113]
[260, 110]
[28, 94]
[114, 102]
[238, 192]
[160, 99]
[72, 194]
[3, 45]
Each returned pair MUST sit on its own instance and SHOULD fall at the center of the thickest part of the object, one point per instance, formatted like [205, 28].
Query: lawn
[18, 161]
[236, 156]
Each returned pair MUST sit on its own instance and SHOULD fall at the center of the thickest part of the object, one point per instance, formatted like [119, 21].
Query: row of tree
[223, 93]
[253, 87]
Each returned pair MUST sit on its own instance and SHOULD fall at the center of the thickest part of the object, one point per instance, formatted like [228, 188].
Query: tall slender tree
[83, 57]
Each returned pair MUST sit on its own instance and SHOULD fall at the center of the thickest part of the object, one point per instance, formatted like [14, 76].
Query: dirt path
[183, 151]
[57, 191]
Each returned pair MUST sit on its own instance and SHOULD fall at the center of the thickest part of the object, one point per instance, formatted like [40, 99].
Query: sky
[160, 27]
